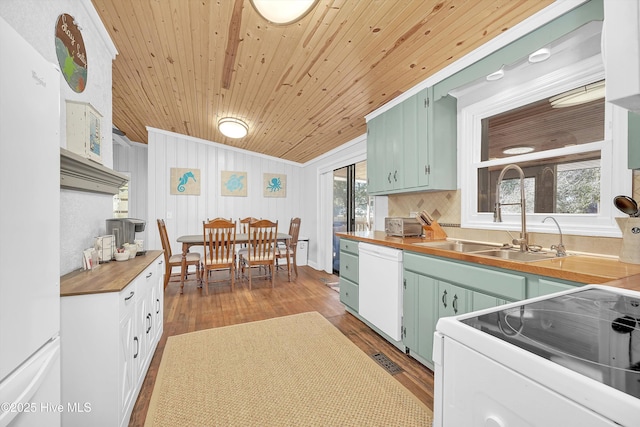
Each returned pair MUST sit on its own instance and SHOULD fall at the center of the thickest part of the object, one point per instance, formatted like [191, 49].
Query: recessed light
[496, 75]
[522, 149]
[540, 55]
[232, 127]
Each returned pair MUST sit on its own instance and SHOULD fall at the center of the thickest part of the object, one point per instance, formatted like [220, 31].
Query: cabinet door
[546, 287]
[419, 313]
[375, 155]
[452, 299]
[410, 323]
[633, 140]
[129, 346]
[481, 301]
[393, 143]
[441, 147]
[427, 315]
[140, 336]
[413, 118]
[157, 301]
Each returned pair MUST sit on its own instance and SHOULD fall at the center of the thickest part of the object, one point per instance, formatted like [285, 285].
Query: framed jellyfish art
[274, 185]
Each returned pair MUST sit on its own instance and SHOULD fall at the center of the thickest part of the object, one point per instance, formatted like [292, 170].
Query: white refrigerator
[29, 235]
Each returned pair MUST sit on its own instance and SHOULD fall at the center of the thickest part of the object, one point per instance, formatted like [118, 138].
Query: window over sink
[554, 183]
[574, 158]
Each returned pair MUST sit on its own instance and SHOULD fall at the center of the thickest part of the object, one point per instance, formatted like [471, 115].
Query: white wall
[318, 198]
[82, 214]
[183, 214]
[132, 160]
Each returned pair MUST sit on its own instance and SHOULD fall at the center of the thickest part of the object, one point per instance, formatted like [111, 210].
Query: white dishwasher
[380, 287]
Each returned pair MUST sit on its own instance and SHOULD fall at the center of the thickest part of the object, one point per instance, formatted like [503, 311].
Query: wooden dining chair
[261, 248]
[288, 250]
[243, 228]
[172, 261]
[219, 250]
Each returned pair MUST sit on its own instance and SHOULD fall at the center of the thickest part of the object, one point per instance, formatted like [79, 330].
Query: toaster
[402, 227]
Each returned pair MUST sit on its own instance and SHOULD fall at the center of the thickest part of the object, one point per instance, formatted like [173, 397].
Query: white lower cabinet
[108, 341]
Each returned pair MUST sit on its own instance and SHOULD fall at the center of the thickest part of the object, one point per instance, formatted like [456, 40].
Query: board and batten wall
[184, 214]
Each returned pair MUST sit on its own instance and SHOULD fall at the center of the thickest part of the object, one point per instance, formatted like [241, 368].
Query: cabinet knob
[444, 298]
[130, 296]
[455, 304]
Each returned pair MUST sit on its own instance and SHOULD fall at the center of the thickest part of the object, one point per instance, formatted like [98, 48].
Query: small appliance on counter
[125, 229]
[402, 227]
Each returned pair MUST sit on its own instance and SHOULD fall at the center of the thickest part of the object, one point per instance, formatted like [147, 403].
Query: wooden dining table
[189, 240]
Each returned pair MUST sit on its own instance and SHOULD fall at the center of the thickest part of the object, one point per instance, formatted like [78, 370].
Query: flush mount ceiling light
[496, 75]
[522, 149]
[233, 128]
[283, 12]
[579, 96]
[540, 55]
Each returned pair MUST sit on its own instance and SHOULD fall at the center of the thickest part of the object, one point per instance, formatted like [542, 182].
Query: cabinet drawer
[349, 293]
[127, 298]
[349, 246]
[504, 285]
[349, 266]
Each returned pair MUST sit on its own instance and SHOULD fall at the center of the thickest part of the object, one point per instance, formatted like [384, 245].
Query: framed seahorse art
[274, 185]
[185, 181]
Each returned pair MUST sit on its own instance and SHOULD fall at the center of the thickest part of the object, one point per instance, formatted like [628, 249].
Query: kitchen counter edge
[585, 269]
[113, 276]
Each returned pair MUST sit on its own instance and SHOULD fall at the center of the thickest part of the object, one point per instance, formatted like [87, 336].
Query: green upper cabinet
[375, 156]
[412, 146]
[634, 140]
[393, 144]
[440, 161]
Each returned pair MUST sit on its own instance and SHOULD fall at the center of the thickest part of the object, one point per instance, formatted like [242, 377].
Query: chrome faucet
[559, 248]
[523, 241]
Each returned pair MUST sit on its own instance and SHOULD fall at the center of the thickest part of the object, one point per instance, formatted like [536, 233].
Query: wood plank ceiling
[304, 88]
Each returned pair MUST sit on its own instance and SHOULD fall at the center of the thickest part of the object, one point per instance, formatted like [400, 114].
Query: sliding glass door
[352, 210]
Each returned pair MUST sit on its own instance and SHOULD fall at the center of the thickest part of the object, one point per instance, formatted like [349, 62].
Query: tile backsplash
[444, 206]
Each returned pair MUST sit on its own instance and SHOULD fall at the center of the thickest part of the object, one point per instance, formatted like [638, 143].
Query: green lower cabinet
[436, 287]
[452, 300]
[482, 301]
[541, 286]
[419, 315]
[349, 293]
[349, 273]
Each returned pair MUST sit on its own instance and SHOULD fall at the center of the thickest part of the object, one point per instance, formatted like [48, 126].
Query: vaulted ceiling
[304, 88]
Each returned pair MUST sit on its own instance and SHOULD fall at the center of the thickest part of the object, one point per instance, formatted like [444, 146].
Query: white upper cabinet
[622, 52]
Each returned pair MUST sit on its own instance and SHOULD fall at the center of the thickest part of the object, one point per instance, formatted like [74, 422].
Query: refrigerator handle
[33, 372]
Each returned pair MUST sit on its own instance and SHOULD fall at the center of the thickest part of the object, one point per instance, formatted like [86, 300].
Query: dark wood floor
[308, 292]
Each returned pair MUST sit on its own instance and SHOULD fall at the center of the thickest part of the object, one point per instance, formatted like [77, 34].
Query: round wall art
[71, 53]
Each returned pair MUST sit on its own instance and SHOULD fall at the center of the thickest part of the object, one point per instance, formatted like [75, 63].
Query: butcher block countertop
[113, 276]
[588, 269]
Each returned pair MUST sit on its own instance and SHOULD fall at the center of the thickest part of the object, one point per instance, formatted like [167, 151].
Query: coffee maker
[125, 229]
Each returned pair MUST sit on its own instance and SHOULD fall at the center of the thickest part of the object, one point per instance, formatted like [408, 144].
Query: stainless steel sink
[458, 246]
[516, 255]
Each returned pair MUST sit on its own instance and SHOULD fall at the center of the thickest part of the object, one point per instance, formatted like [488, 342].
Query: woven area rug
[295, 370]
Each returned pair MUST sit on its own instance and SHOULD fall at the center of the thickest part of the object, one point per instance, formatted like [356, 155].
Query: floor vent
[386, 363]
